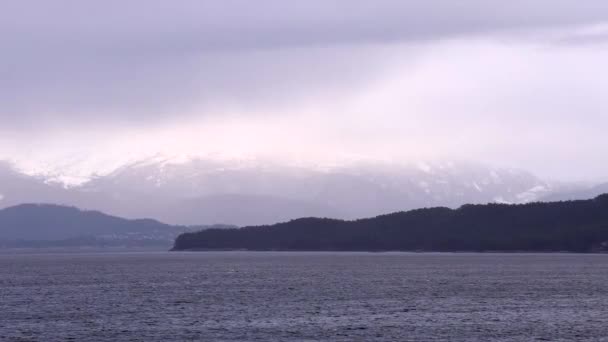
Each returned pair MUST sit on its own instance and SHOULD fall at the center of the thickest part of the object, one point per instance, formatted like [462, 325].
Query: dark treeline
[576, 226]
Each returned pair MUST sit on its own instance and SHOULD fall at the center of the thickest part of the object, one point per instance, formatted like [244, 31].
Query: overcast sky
[519, 83]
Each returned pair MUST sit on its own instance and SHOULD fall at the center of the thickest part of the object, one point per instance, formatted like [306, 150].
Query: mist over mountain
[251, 192]
[16, 187]
[579, 193]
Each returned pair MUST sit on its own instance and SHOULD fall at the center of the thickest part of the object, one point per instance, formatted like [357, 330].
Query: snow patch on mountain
[533, 194]
[243, 189]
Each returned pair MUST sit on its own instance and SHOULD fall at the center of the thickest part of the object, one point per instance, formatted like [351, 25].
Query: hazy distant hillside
[33, 224]
[578, 226]
[17, 188]
[580, 194]
[246, 192]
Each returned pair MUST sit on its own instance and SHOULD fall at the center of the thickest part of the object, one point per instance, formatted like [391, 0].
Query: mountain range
[252, 192]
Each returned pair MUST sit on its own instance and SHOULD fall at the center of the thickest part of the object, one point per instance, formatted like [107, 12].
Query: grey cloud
[205, 24]
[133, 59]
[131, 87]
[69, 62]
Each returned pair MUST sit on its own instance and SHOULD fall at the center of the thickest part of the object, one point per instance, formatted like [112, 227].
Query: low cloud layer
[514, 83]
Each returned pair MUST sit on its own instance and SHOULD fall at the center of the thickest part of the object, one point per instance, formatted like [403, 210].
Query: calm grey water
[248, 296]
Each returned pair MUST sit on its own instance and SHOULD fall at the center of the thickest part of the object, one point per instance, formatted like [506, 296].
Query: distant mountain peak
[193, 189]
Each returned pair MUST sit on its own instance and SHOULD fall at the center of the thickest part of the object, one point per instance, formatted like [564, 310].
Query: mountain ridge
[574, 226]
[192, 191]
[51, 224]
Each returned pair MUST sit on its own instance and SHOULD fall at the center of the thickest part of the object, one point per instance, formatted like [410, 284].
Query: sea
[302, 296]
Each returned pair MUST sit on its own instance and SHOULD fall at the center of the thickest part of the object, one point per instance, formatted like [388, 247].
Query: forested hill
[577, 226]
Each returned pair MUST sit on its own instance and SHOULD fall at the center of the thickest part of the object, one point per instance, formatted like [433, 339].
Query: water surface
[289, 296]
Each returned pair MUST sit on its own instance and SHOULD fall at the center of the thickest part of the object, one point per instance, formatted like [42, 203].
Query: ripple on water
[242, 296]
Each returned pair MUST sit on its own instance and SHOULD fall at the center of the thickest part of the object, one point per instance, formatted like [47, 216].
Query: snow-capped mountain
[250, 191]
[16, 187]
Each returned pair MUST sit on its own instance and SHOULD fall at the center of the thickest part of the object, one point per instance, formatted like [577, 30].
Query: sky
[88, 85]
